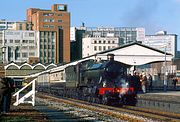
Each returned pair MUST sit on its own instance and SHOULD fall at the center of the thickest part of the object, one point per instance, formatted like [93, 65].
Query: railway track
[125, 113]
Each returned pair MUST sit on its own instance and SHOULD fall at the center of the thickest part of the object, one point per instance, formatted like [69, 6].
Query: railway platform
[160, 100]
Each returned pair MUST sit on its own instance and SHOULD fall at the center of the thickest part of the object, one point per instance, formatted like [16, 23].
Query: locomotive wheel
[105, 100]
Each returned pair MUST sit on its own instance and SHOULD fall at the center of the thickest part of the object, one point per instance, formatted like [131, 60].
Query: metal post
[165, 73]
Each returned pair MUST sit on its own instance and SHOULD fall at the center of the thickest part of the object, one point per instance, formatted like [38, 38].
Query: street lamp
[4, 54]
[165, 72]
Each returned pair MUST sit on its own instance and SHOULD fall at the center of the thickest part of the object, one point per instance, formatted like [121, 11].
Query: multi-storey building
[13, 25]
[92, 45]
[10, 25]
[54, 32]
[19, 46]
[76, 43]
[99, 39]
[113, 36]
[125, 34]
[163, 41]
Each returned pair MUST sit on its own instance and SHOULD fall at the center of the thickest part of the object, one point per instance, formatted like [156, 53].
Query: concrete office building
[125, 34]
[19, 46]
[99, 39]
[10, 25]
[163, 41]
[121, 35]
[54, 32]
[92, 45]
[167, 43]
[13, 25]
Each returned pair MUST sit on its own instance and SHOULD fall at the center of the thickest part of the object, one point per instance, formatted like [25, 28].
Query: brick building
[54, 32]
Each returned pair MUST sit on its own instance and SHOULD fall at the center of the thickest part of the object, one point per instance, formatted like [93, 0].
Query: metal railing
[30, 94]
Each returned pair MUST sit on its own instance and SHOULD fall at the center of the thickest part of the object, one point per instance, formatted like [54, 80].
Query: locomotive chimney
[110, 57]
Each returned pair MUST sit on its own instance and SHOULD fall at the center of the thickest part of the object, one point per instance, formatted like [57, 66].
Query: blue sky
[153, 15]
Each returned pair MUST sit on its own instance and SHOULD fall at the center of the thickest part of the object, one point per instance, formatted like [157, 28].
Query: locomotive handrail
[30, 94]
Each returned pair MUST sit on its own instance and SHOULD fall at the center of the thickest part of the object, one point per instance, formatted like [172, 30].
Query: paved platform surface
[172, 93]
[170, 96]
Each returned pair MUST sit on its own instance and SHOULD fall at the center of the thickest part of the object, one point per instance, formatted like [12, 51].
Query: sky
[153, 15]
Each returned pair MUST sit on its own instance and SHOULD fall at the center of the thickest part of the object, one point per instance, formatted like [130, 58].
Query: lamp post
[165, 72]
[4, 54]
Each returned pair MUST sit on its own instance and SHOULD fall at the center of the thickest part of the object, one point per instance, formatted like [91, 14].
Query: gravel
[82, 114]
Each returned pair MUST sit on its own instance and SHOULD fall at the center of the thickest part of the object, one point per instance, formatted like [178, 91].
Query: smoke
[141, 14]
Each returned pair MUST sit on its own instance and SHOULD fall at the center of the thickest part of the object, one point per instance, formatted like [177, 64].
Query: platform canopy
[136, 54]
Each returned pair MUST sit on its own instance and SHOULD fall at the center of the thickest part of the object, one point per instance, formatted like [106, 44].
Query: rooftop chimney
[110, 57]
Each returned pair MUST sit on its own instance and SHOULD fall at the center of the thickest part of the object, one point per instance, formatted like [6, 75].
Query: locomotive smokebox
[110, 57]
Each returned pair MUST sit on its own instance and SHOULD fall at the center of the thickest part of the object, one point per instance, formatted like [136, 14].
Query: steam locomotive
[103, 81]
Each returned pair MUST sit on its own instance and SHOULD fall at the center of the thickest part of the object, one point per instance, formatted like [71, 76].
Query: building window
[100, 48]
[17, 41]
[2, 27]
[104, 47]
[46, 26]
[99, 42]
[17, 55]
[45, 47]
[104, 41]
[49, 53]
[11, 41]
[9, 22]
[31, 41]
[11, 54]
[48, 20]
[60, 27]
[24, 47]
[60, 14]
[52, 54]
[59, 20]
[48, 14]
[45, 54]
[31, 34]
[25, 41]
[95, 41]
[109, 47]
[20, 27]
[24, 55]
[31, 54]
[95, 48]
[31, 47]
[109, 42]
[51, 26]
[49, 46]
[2, 23]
